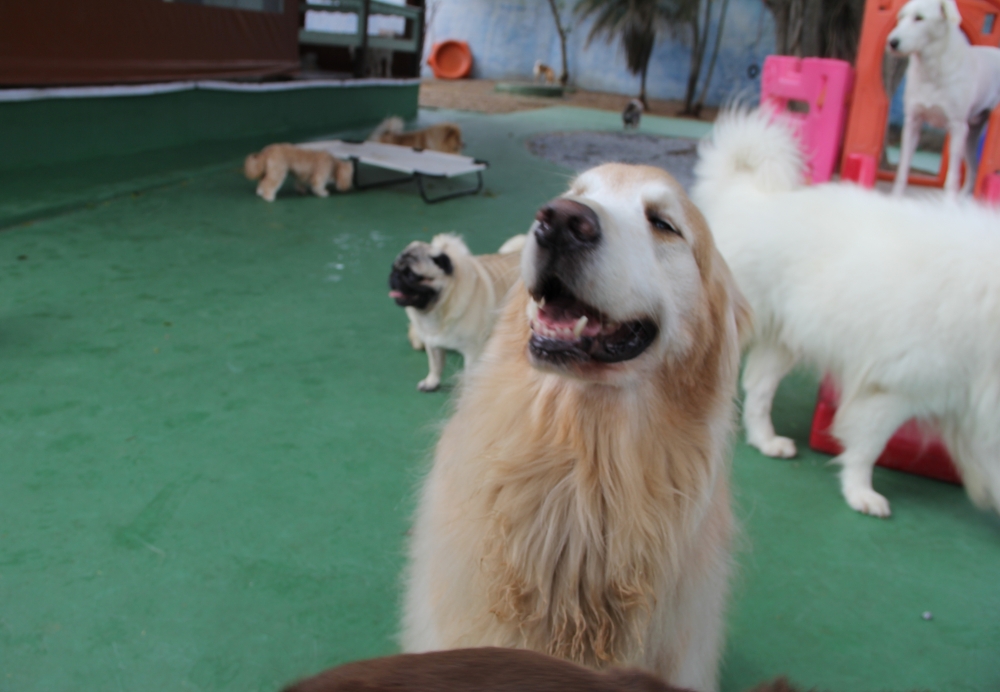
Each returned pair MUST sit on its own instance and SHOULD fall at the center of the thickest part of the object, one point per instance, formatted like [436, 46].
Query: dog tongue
[396, 294]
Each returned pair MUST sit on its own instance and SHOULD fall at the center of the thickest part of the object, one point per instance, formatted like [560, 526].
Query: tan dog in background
[446, 137]
[544, 73]
[451, 297]
[312, 168]
[578, 503]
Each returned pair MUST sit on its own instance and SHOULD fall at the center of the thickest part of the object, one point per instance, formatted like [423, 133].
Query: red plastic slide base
[912, 449]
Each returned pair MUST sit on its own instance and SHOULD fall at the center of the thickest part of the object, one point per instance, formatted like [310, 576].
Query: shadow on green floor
[212, 435]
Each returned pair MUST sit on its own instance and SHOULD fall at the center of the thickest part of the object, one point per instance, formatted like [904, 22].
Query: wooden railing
[411, 42]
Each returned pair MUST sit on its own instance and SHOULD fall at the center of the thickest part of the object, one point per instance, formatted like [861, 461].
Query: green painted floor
[210, 437]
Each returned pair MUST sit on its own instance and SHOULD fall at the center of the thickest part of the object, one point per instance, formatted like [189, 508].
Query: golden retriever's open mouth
[565, 329]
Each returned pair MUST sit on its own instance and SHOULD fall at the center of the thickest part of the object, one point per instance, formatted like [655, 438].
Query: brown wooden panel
[50, 42]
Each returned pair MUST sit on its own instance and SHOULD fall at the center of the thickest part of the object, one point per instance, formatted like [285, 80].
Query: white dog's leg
[864, 424]
[435, 360]
[977, 456]
[971, 149]
[958, 131]
[766, 365]
[907, 146]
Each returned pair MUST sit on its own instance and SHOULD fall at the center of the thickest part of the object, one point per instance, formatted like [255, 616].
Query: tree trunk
[564, 75]
[715, 54]
[699, 32]
[642, 86]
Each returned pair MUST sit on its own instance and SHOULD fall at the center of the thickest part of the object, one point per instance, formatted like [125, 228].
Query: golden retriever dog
[446, 137]
[312, 168]
[451, 297]
[578, 502]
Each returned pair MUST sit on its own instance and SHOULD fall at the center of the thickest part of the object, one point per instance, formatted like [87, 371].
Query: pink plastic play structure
[812, 94]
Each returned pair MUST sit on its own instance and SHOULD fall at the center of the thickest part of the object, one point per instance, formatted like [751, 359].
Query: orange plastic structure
[823, 86]
[866, 123]
[450, 59]
[991, 189]
[859, 168]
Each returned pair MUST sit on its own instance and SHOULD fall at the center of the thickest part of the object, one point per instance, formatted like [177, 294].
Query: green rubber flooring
[210, 438]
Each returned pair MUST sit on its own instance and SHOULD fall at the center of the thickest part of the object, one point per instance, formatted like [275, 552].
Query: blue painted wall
[507, 36]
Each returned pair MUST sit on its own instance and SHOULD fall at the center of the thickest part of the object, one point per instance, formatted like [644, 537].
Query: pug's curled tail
[513, 244]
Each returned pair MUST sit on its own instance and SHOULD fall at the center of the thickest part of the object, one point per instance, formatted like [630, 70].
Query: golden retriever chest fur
[581, 520]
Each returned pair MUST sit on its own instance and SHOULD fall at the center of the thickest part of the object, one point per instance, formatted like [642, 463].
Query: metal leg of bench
[450, 195]
[381, 183]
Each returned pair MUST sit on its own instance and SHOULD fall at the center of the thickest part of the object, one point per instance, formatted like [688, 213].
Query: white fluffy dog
[898, 298]
[949, 84]
[579, 500]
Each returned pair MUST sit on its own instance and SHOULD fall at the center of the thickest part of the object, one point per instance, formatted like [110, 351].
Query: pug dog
[451, 296]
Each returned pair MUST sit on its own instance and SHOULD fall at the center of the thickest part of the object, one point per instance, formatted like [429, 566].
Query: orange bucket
[450, 59]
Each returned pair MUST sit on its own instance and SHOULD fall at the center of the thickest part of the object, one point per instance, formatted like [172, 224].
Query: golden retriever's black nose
[565, 224]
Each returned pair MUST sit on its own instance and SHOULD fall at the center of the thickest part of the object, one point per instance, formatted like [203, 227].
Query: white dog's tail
[513, 244]
[393, 125]
[749, 145]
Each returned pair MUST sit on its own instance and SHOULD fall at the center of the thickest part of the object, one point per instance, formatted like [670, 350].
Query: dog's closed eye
[661, 224]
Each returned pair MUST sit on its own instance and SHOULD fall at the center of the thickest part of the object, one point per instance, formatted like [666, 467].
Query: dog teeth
[532, 310]
[541, 303]
[579, 326]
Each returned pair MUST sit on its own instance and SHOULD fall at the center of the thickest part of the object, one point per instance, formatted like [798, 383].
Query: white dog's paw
[867, 501]
[267, 196]
[429, 384]
[778, 447]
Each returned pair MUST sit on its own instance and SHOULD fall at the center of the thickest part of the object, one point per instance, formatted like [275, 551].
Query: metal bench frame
[420, 178]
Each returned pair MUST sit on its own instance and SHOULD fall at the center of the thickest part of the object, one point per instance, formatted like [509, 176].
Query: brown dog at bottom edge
[487, 669]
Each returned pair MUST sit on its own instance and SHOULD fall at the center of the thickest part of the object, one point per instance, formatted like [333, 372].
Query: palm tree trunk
[715, 54]
[642, 86]
[698, 44]
[564, 75]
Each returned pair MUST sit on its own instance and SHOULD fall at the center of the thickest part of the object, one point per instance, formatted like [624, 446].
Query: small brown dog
[544, 73]
[446, 137]
[312, 168]
[487, 669]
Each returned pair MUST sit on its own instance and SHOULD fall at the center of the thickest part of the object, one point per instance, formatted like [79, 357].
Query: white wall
[507, 36]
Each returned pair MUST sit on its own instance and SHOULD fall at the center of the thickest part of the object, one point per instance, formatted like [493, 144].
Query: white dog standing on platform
[949, 84]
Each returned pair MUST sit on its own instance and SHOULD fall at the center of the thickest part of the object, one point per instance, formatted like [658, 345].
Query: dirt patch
[583, 150]
[479, 95]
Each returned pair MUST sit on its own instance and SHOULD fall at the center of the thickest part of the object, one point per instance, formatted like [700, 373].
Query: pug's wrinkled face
[420, 274]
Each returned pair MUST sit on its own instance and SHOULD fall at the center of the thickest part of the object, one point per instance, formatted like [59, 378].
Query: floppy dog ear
[444, 262]
[949, 10]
